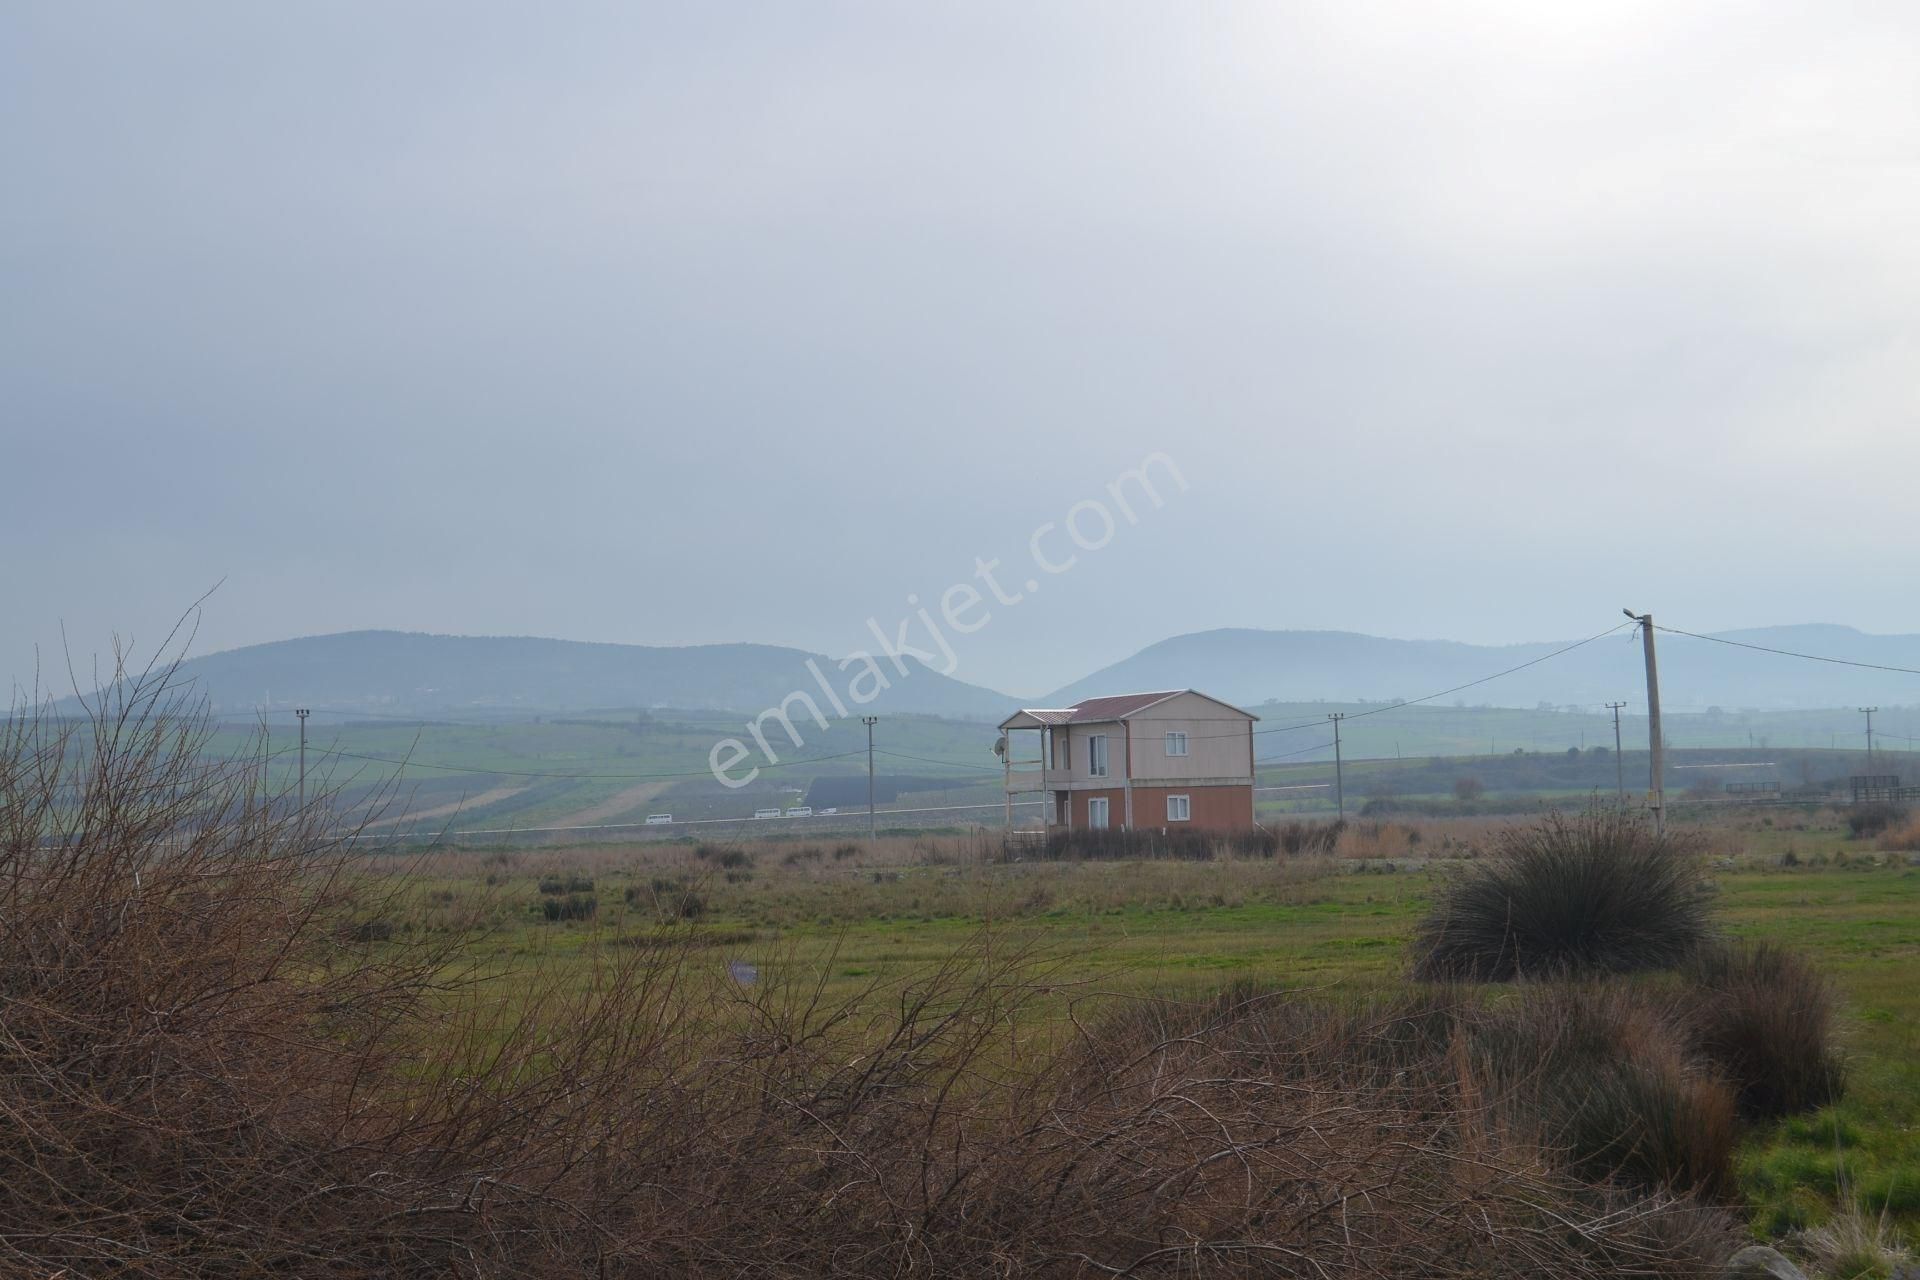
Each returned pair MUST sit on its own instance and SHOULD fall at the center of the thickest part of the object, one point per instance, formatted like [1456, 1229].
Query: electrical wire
[1787, 653]
[577, 777]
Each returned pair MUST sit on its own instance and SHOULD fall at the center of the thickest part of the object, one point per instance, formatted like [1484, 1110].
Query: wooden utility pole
[1339, 782]
[1619, 767]
[1656, 787]
[870, 721]
[302, 713]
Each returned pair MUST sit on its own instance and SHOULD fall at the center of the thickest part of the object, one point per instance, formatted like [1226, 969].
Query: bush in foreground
[1765, 1016]
[1605, 1075]
[1596, 894]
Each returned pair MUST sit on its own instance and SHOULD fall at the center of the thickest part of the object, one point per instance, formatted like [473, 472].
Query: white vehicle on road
[659, 819]
[800, 811]
[766, 813]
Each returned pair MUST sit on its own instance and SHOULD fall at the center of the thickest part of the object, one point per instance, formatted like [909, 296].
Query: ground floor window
[1097, 813]
[1179, 809]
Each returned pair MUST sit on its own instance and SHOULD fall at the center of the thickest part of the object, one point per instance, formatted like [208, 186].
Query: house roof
[1120, 706]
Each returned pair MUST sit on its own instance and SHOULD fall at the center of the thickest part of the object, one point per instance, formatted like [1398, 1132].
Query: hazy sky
[699, 323]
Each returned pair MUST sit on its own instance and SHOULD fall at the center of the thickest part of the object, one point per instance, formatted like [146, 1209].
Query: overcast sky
[703, 323]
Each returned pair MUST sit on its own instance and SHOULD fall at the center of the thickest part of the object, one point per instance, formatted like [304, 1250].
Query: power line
[957, 764]
[578, 777]
[1414, 702]
[1790, 653]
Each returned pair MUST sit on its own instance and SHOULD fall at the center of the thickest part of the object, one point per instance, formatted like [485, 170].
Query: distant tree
[1468, 789]
[1573, 753]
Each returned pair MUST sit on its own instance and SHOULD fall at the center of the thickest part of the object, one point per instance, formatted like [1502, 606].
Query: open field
[552, 778]
[851, 915]
[785, 1057]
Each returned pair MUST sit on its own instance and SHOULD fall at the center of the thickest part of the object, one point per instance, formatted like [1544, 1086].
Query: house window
[1176, 744]
[1097, 813]
[1097, 755]
[1179, 809]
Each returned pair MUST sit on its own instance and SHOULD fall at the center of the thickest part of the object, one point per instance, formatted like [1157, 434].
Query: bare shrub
[1606, 1077]
[1364, 1135]
[1873, 817]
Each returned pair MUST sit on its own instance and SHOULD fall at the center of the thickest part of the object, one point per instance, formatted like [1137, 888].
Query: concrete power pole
[1656, 786]
[1619, 768]
[1339, 781]
[302, 713]
[1868, 713]
[870, 721]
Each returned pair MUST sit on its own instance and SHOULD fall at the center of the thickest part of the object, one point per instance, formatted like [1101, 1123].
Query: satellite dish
[1000, 746]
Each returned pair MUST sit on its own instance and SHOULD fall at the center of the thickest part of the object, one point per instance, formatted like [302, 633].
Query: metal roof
[1117, 706]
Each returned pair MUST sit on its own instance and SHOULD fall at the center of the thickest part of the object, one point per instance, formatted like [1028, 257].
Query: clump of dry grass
[1767, 1018]
[1599, 893]
[1902, 837]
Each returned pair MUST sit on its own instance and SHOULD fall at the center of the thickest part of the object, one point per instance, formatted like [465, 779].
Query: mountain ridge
[388, 672]
[1249, 666]
[424, 673]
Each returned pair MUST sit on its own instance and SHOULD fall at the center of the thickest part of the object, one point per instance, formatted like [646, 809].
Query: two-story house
[1136, 761]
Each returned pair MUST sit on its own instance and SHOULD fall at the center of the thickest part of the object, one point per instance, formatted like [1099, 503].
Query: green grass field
[882, 913]
[545, 777]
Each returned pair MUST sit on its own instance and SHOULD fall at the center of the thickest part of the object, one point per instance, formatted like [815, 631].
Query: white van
[659, 819]
[825, 812]
[801, 811]
[766, 813]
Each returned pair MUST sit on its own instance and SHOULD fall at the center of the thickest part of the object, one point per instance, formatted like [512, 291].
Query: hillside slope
[397, 672]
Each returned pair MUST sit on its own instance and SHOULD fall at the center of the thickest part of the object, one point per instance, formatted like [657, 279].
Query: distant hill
[399, 672]
[1249, 667]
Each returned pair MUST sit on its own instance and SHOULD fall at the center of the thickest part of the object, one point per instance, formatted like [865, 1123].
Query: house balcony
[1027, 778]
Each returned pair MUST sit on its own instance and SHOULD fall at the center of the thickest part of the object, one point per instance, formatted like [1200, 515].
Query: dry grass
[210, 1065]
[1767, 1018]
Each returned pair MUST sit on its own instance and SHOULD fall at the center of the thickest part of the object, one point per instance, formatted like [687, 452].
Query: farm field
[608, 770]
[848, 916]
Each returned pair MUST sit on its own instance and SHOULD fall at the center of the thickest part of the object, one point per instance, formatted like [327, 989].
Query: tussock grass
[1766, 1017]
[1595, 894]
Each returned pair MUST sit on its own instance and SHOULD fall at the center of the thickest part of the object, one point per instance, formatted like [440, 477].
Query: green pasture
[1119, 930]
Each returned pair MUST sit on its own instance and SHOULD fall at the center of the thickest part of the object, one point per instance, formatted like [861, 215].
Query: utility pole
[302, 713]
[1619, 767]
[870, 721]
[1868, 712]
[1339, 783]
[1656, 787]
[266, 777]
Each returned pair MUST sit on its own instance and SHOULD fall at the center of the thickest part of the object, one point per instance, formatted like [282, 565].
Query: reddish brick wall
[1116, 808]
[1214, 808]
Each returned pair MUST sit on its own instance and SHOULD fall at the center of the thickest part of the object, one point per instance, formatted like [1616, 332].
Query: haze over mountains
[1250, 667]
[408, 673]
[411, 673]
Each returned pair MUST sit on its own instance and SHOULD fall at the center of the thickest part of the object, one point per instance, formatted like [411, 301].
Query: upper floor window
[1176, 744]
[1097, 755]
